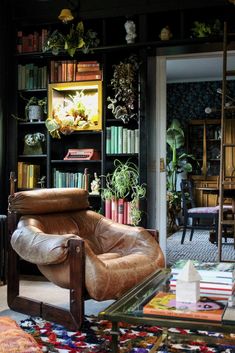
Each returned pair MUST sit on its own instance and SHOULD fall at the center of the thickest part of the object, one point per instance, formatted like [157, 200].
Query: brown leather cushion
[125, 256]
[14, 340]
[48, 201]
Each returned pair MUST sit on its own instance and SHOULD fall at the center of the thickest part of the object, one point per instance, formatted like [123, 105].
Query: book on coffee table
[164, 304]
[208, 269]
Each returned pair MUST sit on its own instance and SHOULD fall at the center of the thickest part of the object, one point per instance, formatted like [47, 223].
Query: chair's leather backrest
[43, 201]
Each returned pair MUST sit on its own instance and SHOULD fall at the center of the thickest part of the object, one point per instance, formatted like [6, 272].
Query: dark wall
[47, 10]
[3, 105]
[187, 101]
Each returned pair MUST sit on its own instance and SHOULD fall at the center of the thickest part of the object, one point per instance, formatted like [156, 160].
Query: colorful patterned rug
[95, 338]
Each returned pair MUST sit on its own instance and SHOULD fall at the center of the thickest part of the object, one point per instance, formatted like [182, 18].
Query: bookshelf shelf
[32, 156]
[56, 161]
[35, 123]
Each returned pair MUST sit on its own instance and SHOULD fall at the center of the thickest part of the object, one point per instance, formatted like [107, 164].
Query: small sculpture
[95, 185]
[130, 30]
[33, 143]
[165, 33]
[188, 284]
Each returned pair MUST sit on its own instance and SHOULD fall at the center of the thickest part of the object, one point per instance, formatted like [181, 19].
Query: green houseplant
[76, 38]
[177, 163]
[124, 85]
[123, 183]
[34, 109]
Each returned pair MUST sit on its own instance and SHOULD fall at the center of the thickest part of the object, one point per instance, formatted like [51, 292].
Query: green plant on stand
[123, 183]
[177, 163]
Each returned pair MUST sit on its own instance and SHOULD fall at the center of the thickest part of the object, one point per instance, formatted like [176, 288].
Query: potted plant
[177, 163]
[123, 184]
[75, 39]
[35, 109]
[124, 85]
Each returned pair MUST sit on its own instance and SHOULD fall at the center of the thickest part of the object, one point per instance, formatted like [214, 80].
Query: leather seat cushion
[127, 256]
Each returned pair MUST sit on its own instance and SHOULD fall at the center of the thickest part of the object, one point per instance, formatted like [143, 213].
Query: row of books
[71, 179]
[217, 279]
[121, 140]
[118, 210]
[31, 42]
[28, 175]
[31, 76]
[73, 70]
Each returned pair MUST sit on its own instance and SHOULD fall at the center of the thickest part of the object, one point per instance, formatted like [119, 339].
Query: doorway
[163, 71]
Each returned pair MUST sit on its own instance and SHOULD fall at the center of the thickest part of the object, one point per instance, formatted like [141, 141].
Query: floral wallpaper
[188, 100]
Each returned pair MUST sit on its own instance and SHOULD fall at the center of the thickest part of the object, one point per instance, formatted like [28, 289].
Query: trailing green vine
[124, 84]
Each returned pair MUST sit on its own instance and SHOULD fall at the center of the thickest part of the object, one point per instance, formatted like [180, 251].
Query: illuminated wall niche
[77, 106]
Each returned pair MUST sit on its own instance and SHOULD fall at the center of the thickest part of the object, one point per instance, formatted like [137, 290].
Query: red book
[114, 210]
[125, 212]
[120, 211]
[89, 75]
[108, 209]
[164, 304]
[19, 46]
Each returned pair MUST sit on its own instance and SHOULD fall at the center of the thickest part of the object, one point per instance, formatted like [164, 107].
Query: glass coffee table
[129, 309]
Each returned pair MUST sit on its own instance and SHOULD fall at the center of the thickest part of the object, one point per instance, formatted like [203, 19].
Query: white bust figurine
[130, 30]
[95, 185]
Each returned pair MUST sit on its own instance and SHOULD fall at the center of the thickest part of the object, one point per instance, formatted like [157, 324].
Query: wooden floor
[48, 292]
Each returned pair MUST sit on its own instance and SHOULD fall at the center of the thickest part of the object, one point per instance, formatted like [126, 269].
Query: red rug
[95, 337]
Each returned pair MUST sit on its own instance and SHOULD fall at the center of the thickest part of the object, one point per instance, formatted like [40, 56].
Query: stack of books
[73, 70]
[217, 278]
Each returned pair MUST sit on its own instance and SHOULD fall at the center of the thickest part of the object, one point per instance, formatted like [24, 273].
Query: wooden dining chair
[196, 217]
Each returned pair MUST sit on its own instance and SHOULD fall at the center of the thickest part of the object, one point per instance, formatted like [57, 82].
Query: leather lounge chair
[75, 248]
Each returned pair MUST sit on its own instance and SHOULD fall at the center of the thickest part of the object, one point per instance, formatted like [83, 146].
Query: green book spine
[112, 139]
[124, 140]
[115, 139]
[132, 142]
[120, 139]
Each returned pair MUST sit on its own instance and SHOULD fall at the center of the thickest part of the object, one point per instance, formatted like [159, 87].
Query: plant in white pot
[123, 185]
[35, 109]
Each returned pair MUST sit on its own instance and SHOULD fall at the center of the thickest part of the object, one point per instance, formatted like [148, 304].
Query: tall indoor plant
[178, 162]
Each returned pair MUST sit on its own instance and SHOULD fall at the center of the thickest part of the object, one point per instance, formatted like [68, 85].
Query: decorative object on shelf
[82, 154]
[188, 284]
[65, 16]
[130, 31]
[176, 164]
[74, 106]
[33, 143]
[42, 181]
[202, 29]
[165, 33]
[124, 84]
[123, 183]
[95, 185]
[34, 109]
[75, 39]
